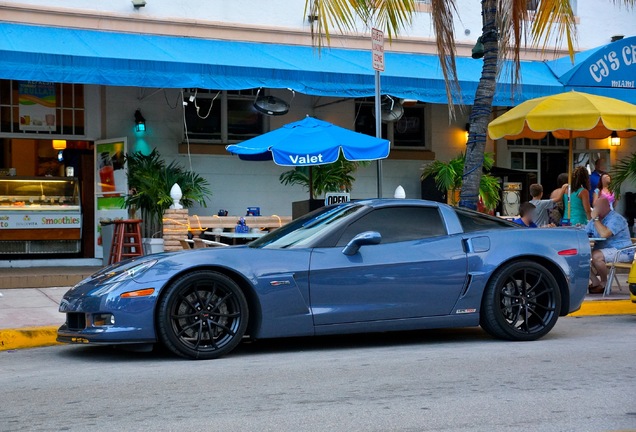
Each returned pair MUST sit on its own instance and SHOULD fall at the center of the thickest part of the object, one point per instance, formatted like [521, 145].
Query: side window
[398, 224]
[472, 222]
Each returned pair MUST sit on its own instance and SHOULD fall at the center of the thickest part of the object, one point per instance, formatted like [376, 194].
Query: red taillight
[568, 252]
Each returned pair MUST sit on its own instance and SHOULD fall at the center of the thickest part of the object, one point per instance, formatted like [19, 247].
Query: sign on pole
[377, 48]
[336, 198]
[377, 60]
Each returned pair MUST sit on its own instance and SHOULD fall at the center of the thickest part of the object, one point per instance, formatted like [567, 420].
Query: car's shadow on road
[296, 344]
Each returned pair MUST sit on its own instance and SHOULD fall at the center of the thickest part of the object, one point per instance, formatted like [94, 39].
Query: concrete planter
[152, 245]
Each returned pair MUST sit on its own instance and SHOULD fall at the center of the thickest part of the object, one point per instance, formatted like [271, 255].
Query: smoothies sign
[21, 220]
[37, 106]
[111, 185]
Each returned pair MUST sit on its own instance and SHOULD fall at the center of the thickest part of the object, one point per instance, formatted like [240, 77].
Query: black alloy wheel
[203, 315]
[521, 302]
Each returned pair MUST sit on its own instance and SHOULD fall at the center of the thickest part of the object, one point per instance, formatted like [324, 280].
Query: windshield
[302, 231]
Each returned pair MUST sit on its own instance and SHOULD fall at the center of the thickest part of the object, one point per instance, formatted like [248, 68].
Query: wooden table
[235, 236]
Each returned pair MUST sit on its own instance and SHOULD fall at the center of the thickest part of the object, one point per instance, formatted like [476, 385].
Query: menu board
[111, 185]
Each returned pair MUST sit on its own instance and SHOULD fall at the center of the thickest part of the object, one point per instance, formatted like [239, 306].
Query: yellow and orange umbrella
[567, 116]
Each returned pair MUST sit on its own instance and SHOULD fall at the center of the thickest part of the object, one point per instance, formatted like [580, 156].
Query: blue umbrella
[310, 142]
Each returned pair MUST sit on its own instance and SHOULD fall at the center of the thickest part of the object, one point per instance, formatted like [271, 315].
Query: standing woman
[580, 211]
[603, 190]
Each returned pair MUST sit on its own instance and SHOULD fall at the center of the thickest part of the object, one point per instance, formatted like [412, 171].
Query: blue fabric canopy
[125, 59]
[311, 142]
[608, 70]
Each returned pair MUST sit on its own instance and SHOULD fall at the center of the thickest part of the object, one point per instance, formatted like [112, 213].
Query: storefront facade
[190, 117]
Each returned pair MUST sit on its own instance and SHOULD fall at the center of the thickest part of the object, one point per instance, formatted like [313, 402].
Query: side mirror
[362, 239]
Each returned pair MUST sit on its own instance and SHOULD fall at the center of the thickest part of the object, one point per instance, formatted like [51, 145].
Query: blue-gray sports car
[366, 266]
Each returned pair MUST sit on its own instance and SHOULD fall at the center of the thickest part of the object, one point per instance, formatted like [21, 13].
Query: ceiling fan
[271, 105]
[391, 110]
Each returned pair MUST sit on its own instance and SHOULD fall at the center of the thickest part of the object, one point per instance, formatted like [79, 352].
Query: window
[472, 221]
[406, 133]
[68, 107]
[398, 224]
[547, 141]
[222, 116]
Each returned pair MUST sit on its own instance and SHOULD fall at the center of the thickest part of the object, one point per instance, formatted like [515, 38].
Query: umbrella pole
[570, 168]
[311, 183]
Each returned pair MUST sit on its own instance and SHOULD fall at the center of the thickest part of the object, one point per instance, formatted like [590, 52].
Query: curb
[28, 337]
[34, 337]
[605, 307]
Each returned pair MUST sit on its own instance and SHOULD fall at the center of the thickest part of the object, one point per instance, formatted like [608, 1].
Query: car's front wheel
[521, 302]
[202, 315]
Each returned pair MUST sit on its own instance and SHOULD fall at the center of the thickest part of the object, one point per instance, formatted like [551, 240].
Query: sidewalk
[29, 316]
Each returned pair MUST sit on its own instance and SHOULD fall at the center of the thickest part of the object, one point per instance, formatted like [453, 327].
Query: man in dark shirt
[600, 167]
[526, 215]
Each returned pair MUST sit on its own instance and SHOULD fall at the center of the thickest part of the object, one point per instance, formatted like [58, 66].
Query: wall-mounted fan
[270, 105]
[391, 110]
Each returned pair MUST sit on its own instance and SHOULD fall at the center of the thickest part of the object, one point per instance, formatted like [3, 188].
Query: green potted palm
[150, 180]
[334, 177]
[625, 170]
[448, 178]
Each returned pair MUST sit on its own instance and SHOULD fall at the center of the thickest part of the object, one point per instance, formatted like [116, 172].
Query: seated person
[544, 206]
[607, 224]
[526, 215]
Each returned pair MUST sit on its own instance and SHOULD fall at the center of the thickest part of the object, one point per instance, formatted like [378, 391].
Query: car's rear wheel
[203, 315]
[521, 302]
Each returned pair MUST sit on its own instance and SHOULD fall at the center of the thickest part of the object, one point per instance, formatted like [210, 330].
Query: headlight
[120, 275]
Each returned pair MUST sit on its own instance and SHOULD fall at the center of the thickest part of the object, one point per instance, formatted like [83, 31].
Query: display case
[40, 215]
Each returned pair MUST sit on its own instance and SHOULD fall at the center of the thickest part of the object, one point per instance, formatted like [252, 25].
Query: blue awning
[608, 70]
[37, 53]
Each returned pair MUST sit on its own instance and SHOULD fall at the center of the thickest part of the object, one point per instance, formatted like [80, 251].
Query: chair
[200, 243]
[611, 277]
[185, 243]
[211, 243]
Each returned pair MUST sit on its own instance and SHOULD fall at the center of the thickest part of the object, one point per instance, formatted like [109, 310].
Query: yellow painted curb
[606, 307]
[28, 337]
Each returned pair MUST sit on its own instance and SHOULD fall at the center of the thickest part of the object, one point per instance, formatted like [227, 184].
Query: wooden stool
[126, 240]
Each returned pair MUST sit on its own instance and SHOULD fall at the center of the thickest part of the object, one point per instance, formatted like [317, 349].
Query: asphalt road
[581, 377]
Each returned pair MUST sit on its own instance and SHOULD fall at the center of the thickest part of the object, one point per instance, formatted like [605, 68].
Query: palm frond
[442, 13]
[511, 18]
[330, 13]
[554, 20]
[623, 171]
[391, 16]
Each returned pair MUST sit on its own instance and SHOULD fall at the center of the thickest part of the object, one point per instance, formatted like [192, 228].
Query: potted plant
[448, 177]
[334, 177]
[150, 180]
[624, 170]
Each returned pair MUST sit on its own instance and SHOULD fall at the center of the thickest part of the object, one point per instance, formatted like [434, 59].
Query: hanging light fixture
[478, 49]
[59, 144]
[615, 140]
[140, 122]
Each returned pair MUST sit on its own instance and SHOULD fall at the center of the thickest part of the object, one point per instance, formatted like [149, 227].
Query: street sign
[336, 198]
[377, 49]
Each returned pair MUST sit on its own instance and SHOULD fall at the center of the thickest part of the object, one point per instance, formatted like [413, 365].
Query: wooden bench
[198, 224]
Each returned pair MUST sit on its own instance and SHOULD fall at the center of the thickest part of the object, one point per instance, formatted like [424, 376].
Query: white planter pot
[152, 245]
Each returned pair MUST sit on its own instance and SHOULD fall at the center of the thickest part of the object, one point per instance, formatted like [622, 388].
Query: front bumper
[133, 317]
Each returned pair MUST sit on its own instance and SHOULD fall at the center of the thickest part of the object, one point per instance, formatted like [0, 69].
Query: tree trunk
[482, 108]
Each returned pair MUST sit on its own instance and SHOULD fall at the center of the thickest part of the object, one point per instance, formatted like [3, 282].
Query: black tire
[203, 315]
[521, 302]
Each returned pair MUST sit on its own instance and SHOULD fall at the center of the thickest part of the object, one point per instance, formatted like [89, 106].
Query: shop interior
[32, 171]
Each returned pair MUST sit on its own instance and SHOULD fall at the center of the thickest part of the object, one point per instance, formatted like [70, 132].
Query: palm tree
[504, 26]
